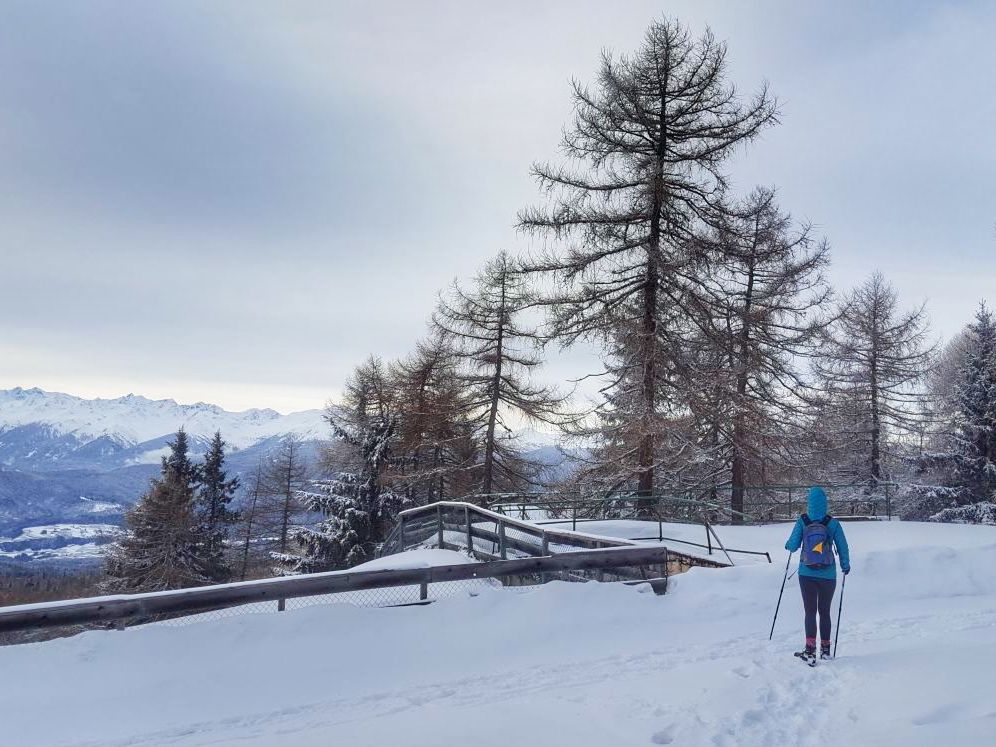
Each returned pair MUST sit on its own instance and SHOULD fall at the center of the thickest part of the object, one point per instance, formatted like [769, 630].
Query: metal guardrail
[122, 609]
[555, 507]
[489, 535]
[762, 503]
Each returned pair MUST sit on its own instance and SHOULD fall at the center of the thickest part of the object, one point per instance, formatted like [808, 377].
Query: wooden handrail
[190, 601]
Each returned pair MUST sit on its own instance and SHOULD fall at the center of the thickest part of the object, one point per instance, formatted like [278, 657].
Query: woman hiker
[816, 532]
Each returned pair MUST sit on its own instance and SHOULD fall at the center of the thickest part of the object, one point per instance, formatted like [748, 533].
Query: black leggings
[817, 593]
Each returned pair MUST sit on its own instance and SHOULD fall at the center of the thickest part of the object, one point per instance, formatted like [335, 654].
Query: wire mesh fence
[761, 504]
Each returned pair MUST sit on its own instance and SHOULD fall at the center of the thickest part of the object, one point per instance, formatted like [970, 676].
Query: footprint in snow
[664, 736]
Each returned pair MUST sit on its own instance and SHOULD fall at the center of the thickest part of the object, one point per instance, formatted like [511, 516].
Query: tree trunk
[645, 466]
[252, 514]
[489, 446]
[876, 428]
[285, 519]
[738, 469]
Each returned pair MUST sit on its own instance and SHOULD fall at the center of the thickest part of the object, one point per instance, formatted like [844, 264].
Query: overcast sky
[235, 202]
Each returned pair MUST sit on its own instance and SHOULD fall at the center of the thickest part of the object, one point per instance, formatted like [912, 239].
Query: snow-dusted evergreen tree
[499, 356]
[646, 152]
[974, 450]
[165, 544]
[358, 511]
[870, 370]
[965, 473]
[215, 491]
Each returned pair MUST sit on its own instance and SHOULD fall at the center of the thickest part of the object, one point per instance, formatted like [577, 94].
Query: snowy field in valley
[564, 664]
[59, 541]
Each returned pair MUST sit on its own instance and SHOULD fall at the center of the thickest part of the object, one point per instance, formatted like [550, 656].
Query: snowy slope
[567, 664]
[134, 419]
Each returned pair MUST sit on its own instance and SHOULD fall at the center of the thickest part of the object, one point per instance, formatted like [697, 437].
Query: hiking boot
[809, 652]
[825, 650]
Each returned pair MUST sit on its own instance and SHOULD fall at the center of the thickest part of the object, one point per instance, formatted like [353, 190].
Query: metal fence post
[708, 537]
[574, 520]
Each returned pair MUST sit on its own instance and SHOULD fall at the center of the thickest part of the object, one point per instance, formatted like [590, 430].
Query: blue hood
[816, 505]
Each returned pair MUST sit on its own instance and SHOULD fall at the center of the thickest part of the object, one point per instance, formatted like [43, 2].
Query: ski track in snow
[781, 712]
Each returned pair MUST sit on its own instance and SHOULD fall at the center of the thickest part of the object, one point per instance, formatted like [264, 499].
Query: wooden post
[546, 551]
[439, 520]
[401, 533]
[423, 591]
[281, 605]
[501, 540]
[574, 521]
[708, 538]
[470, 534]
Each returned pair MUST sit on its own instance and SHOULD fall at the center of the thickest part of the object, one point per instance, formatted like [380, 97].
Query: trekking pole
[784, 579]
[840, 608]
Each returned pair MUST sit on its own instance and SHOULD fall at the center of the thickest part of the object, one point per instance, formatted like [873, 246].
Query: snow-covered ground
[565, 664]
[65, 531]
[59, 542]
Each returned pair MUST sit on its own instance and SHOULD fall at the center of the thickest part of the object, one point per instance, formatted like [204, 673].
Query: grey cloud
[265, 192]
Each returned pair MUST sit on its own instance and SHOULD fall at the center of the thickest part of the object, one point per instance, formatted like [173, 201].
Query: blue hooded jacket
[817, 509]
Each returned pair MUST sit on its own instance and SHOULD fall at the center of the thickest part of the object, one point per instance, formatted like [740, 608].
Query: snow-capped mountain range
[61, 455]
[40, 429]
[67, 461]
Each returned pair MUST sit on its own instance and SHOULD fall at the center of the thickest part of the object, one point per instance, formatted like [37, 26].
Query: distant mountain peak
[134, 419]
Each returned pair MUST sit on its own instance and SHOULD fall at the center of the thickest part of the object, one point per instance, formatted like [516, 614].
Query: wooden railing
[133, 608]
[489, 534]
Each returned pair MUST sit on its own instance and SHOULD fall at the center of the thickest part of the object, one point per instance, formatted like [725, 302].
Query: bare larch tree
[499, 361]
[765, 293]
[872, 363]
[431, 460]
[644, 165]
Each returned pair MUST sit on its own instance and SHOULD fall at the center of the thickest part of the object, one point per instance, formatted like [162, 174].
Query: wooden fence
[650, 563]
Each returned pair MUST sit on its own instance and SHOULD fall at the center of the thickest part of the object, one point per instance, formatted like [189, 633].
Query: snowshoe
[808, 656]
